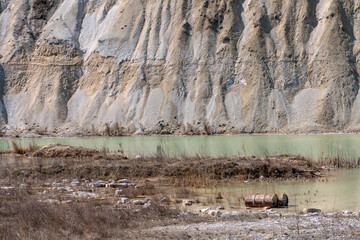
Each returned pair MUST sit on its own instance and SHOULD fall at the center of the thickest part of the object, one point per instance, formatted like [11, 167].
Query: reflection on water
[315, 146]
[338, 192]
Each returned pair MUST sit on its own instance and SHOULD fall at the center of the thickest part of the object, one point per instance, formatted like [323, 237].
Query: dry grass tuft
[22, 216]
[339, 162]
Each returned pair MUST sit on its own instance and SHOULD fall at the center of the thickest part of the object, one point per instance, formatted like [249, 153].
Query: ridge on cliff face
[163, 66]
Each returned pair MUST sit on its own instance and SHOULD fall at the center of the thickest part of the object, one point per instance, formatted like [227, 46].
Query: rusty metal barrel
[283, 200]
[261, 200]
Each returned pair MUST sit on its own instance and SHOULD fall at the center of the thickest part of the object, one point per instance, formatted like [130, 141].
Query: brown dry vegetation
[180, 171]
[57, 150]
[63, 161]
[22, 216]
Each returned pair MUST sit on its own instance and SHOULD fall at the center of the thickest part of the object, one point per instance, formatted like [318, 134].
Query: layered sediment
[180, 66]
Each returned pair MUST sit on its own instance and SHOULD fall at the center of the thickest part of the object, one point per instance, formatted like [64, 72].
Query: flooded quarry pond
[339, 191]
[312, 146]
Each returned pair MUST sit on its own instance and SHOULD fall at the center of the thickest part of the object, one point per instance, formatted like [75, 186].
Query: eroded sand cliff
[180, 66]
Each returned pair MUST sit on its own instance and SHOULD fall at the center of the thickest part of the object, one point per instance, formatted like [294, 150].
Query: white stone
[76, 183]
[233, 213]
[119, 192]
[85, 195]
[124, 200]
[214, 213]
[138, 202]
[347, 212]
[205, 210]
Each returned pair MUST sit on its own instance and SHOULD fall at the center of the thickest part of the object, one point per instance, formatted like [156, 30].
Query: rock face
[184, 66]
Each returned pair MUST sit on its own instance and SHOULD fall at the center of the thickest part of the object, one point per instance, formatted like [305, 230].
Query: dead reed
[22, 216]
[18, 149]
[339, 162]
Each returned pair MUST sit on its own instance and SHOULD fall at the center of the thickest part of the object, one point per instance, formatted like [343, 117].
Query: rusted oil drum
[261, 200]
[283, 200]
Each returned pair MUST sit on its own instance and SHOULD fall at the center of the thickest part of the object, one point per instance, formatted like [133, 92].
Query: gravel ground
[291, 226]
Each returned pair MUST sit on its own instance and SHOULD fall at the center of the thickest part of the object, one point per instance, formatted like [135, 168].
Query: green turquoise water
[315, 146]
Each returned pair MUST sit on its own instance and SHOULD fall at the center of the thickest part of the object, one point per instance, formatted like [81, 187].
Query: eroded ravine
[195, 66]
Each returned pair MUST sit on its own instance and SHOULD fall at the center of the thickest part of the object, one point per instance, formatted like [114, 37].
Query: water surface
[315, 146]
[341, 191]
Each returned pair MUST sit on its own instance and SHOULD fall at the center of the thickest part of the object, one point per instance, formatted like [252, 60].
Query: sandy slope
[233, 65]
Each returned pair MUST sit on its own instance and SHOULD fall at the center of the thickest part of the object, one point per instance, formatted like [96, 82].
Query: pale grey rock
[205, 210]
[138, 202]
[124, 200]
[215, 213]
[85, 195]
[119, 192]
[97, 184]
[232, 62]
[311, 210]
[75, 183]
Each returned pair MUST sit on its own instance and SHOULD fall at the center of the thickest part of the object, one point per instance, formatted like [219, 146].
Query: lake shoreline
[71, 192]
[65, 133]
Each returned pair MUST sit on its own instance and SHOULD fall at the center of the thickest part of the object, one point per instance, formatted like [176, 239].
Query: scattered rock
[214, 213]
[138, 202]
[138, 157]
[51, 201]
[165, 200]
[272, 213]
[233, 213]
[124, 181]
[147, 204]
[205, 210]
[188, 202]
[85, 195]
[311, 210]
[117, 185]
[119, 192]
[220, 207]
[187, 213]
[331, 214]
[56, 184]
[97, 184]
[75, 183]
[347, 212]
[124, 200]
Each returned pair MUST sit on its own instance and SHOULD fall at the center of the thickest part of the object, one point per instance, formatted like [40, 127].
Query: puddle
[339, 192]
